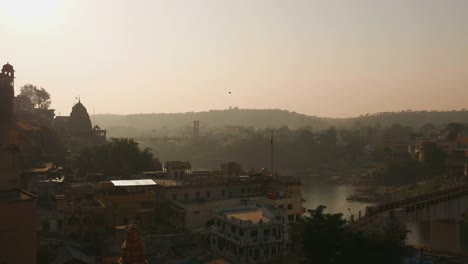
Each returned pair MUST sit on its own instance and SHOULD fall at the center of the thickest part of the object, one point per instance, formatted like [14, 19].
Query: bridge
[442, 208]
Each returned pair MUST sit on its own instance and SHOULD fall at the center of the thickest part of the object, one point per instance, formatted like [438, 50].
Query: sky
[324, 58]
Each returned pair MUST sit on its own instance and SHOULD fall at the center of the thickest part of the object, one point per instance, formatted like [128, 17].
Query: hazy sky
[325, 58]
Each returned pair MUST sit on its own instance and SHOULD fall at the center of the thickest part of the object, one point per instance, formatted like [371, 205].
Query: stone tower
[80, 123]
[7, 93]
[133, 251]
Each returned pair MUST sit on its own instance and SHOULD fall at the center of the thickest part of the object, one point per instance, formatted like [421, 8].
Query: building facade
[249, 234]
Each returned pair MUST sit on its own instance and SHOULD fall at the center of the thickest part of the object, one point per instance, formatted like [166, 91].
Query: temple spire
[133, 251]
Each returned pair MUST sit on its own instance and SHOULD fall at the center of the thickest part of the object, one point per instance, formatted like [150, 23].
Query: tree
[326, 238]
[37, 96]
[120, 157]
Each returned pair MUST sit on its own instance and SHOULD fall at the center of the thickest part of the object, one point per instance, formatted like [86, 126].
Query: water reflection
[319, 192]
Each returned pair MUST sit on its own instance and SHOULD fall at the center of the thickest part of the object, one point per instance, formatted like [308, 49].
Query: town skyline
[308, 57]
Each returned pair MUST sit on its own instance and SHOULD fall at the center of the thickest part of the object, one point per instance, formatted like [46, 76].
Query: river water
[319, 192]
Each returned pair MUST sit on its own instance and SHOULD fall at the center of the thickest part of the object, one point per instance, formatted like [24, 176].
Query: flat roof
[140, 182]
[254, 216]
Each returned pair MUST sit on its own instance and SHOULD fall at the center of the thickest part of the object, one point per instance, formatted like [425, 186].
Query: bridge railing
[410, 204]
[370, 210]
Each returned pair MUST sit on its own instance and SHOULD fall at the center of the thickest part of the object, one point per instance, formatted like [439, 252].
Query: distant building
[231, 170]
[18, 239]
[7, 93]
[77, 131]
[178, 169]
[249, 234]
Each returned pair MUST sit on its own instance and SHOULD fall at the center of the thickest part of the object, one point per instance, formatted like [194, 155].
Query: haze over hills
[140, 124]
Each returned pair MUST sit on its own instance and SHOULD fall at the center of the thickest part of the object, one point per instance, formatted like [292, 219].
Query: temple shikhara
[133, 250]
[77, 130]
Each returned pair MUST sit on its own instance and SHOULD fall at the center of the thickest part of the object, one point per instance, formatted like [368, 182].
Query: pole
[271, 161]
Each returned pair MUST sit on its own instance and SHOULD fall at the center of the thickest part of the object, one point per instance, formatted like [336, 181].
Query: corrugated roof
[140, 182]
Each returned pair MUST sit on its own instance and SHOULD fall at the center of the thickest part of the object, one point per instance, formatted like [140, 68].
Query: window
[280, 206]
[174, 197]
[290, 206]
[186, 196]
[291, 218]
[233, 229]
[273, 232]
[241, 232]
[266, 232]
[223, 193]
[265, 252]
[208, 194]
[273, 251]
[254, 233]
[198, 195]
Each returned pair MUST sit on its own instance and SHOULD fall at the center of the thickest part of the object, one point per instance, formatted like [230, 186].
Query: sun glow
[30, 15]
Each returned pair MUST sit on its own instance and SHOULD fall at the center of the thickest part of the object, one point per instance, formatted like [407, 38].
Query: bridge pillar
[445, 236]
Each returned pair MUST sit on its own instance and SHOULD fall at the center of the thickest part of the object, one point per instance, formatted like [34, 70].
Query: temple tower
[133, 251]
[7, 93]
[80, 123]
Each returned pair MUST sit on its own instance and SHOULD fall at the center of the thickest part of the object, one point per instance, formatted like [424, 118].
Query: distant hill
[139, 124]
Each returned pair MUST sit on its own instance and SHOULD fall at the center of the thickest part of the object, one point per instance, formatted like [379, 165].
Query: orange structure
[133, 250]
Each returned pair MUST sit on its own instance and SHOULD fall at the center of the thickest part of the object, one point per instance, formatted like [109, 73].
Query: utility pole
[271, 161]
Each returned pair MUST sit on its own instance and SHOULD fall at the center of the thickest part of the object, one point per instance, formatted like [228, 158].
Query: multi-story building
[128, 200]
[177, 169]
[188, 202]
[249, 234]
[79, 219]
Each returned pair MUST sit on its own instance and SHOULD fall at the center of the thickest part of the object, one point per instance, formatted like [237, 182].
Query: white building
[249, 233]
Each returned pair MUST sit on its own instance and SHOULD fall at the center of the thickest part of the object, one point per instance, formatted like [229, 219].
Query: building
[7, 93]
[188, 203]
[249, 234]
[178, 169]
[76, 130]
[231, 170]
[18, 239]
[127, 201]
[79, 219]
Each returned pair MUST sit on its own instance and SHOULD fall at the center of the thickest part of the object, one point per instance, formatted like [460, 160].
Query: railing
[411, 204]
[451, 193]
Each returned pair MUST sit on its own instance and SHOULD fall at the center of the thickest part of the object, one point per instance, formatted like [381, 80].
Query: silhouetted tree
[325, 238]
[117, 157]
[37, 96]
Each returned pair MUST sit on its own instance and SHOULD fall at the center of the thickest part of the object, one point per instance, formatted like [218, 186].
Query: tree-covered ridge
[142, 124]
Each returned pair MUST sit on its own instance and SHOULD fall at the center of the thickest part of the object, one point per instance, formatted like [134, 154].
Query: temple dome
[80, 123]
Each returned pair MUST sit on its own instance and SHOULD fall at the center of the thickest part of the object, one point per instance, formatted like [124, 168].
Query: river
[320, 192]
